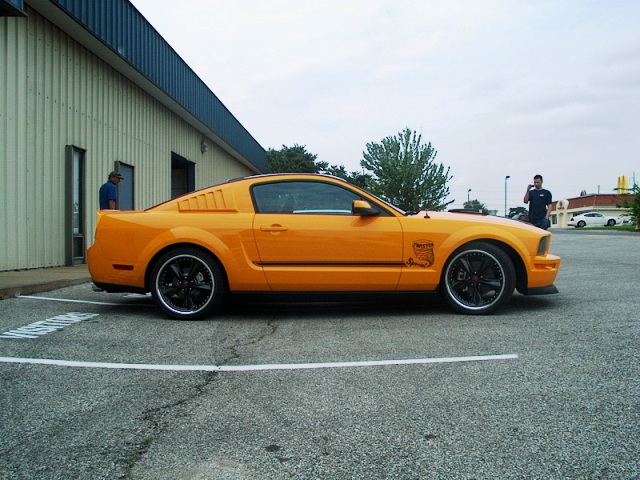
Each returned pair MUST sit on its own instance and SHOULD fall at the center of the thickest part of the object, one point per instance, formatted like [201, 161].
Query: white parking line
[252, 368]
[69, 300]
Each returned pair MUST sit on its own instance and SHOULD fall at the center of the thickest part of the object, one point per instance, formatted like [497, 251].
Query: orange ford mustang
[313, 233]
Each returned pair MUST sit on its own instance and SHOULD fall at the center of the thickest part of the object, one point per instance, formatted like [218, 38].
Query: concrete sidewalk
[24, 282]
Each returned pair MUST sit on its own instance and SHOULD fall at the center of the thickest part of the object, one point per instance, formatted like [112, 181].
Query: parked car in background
[592, 219]
[522, 217]
[313, 233]
[626, 219]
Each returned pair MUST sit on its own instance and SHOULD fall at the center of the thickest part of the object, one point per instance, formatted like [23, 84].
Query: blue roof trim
[119, 25]
[12, 8]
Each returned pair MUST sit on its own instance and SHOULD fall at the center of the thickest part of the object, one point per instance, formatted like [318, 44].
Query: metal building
[86, 87]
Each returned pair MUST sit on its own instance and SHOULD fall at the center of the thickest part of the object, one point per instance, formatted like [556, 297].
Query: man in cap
[109, 191]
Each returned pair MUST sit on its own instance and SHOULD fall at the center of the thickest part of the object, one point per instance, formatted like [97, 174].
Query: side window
[303, 197]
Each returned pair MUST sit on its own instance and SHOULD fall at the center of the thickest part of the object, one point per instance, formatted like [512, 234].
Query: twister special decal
[423, 252]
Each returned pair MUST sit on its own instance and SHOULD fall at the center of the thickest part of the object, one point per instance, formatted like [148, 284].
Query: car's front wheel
[478, 279]
[187, 283]
[611, 222]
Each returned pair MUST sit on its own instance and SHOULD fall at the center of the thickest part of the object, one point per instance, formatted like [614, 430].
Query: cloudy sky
[499, 87]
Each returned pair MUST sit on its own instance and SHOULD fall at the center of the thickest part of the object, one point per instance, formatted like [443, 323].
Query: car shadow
[352, 303]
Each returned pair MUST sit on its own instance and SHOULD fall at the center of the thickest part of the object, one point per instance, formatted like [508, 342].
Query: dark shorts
[541, 223]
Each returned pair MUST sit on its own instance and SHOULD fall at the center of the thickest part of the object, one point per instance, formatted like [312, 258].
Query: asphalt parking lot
[102, 386]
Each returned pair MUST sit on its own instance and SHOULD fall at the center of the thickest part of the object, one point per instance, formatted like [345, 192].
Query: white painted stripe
[50, 325]
[68, 300]
[253, 368]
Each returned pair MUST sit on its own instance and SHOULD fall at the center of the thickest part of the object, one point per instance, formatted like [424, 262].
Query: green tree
[297, 159]
[633, 202]
[515, 210]
[294, 159]
[359, 179]
[405, 172]
[476, 205]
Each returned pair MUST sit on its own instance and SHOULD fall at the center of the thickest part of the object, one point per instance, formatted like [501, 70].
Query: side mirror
[364, 209]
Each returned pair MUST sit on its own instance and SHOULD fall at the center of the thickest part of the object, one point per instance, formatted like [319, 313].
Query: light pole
[468, 201]
[505, 194]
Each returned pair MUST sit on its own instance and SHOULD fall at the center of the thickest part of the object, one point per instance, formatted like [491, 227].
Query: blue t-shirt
[108, 191]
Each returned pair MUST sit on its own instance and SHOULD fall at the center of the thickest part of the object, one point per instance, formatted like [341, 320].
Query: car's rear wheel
[187, 283]
[478, 279]
[581, 224]
[611, 222]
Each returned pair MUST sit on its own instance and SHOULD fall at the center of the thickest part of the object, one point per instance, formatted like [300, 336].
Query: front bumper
[543, 290]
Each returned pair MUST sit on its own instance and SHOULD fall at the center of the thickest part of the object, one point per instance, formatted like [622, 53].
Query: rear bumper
[111, 288]
[112, 273]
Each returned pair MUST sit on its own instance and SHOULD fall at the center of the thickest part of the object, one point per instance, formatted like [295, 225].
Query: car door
[595, 219]
[308, 239]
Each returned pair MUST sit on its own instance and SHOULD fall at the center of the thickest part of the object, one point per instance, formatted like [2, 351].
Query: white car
[592, 219]
[626, 220]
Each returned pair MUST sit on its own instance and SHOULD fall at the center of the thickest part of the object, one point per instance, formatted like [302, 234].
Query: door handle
[273, 228]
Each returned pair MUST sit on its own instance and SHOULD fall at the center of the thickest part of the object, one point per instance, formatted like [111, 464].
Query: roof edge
[239, 142]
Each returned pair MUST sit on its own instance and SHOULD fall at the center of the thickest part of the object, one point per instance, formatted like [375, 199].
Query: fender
[483, 232]
[445, 242]
[239, 267]
[179, 235]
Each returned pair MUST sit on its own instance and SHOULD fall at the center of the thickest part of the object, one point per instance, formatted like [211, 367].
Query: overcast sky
[499, 87]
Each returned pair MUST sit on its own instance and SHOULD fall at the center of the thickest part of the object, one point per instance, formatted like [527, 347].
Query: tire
[187, 283]
[611, 222]
[478, 279]
[581, 224]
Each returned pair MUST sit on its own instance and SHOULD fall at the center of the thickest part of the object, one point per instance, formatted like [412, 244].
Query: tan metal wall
[55, 93]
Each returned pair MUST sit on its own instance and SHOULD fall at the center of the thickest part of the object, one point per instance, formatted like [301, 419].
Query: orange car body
[264, 249]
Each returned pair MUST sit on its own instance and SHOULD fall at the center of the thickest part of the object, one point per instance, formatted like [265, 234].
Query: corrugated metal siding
[13, 144]
[55, 93]
[118, 24]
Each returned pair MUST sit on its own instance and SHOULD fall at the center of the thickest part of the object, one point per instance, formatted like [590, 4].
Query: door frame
[75, 206]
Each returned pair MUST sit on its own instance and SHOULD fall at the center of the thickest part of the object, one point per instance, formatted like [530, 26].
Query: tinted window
[303, 198]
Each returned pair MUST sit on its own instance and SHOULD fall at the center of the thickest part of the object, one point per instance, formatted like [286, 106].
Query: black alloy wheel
[187, 283]
[478, 279]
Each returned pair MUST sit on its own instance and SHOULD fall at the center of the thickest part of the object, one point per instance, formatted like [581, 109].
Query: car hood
[477, 218]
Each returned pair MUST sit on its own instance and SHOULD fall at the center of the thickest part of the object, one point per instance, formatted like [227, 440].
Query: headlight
[544, 245]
